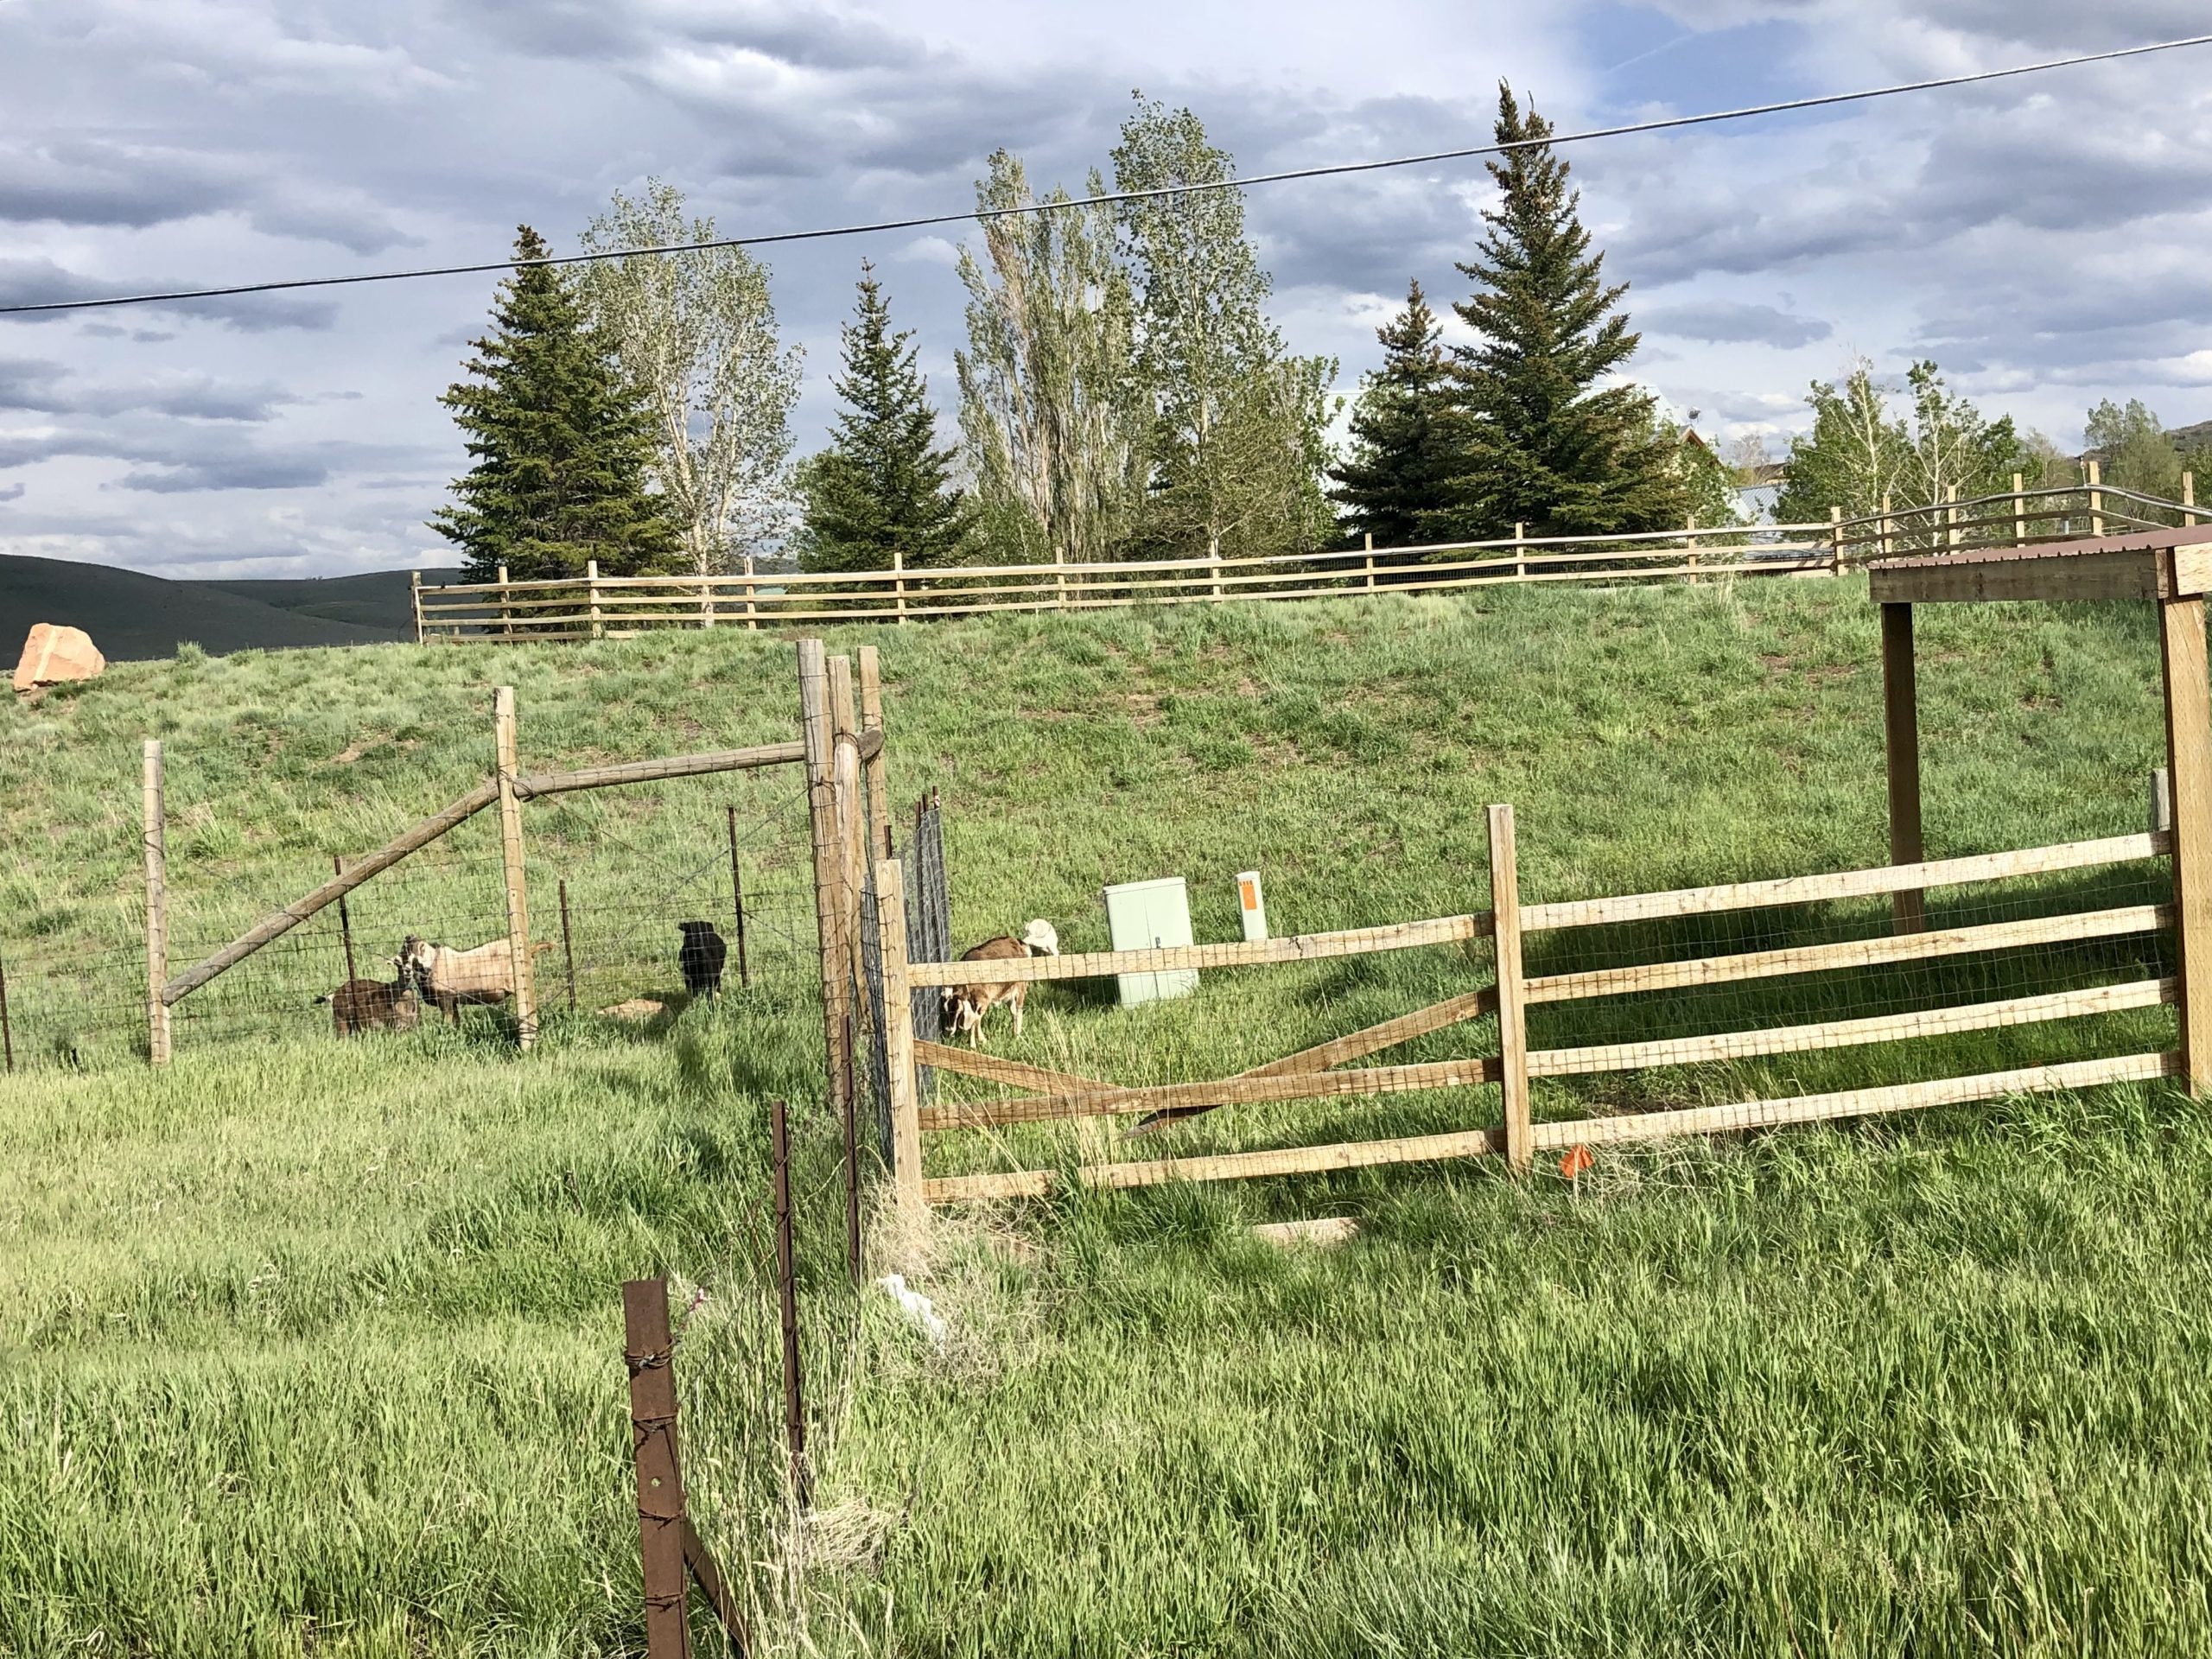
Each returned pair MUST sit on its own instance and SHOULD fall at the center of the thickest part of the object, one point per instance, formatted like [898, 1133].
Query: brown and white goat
[483, 977]
[965, 1005]
[371, 1005]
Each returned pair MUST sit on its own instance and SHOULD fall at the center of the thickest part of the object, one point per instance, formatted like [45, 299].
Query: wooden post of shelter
[2189, 769]
[2096, 498]
[415, 602]
[879, 767]
[591, 598]
[345, 920]
[157, 906]
[2019, 512]
[1901, 745]
[818, 738]
[1512, 1006]
[899, 1034]
[511, 864]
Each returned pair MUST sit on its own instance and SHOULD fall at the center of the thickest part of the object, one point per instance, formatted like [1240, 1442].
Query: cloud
[43, 387]
[12, 492]
[38, 280]
[1722, 320]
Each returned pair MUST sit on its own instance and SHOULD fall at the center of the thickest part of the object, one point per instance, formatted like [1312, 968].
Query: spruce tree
[883, 484]
[1543, 444]
[559, 443]
[1396, 482]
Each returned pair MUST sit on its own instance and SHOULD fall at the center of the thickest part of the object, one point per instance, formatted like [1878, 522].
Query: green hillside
[131, 616]
[307, 1346]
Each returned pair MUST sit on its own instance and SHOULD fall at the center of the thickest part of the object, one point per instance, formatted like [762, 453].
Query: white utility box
[1151, 916]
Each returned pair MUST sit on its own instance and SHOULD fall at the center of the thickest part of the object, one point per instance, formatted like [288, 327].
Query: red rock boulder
[53, 654]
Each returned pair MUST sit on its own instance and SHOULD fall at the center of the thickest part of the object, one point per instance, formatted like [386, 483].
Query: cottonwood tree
[697, 332]
[1857, 455]
[2134, 450]
[1547, 443]
[1395, 484]
[1954, 447]
[1052, 412]
[558, 441]
[1237, 446]
[883, 486]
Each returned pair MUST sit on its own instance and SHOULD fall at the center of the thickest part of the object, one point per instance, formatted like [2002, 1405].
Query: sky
[2048, 241]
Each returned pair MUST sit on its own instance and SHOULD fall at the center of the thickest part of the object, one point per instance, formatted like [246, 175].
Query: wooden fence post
[2189, 768]
[1370, 561]
[879, 769]
[1689, 543]
[1060, 578]
[345, 920]
[706, 600]
[1835, 541]
[820, 741]
[845, 773]
[1901, 749]
[157, 906]
[1512, 1009]
[899, 1033]
[898, 579]
[591, 598]
[1950, 518]
[648, 1354]
[510, 865]
[1213, 563]
[787, 1304]
[2019, 513]
[506, 616]
[1520, 569]
[2096, 498]
[751, 602]
[2188, 499]
[415, 602]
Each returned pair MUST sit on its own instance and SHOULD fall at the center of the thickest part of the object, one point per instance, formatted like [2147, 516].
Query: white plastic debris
[918, 1308]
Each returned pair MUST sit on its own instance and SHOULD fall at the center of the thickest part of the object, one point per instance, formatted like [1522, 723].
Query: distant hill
[132, 616]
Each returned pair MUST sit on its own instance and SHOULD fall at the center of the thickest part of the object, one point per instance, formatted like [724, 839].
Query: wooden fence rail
[597, 606]
[1312, 1074]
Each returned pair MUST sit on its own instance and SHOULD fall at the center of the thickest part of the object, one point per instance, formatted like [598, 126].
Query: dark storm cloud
[1727, 321]
[94, 182]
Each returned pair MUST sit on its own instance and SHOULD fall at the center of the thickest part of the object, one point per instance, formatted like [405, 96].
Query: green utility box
[1151, 916]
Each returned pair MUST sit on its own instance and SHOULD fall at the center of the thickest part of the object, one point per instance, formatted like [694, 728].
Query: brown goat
[371, 1005]
[965, 1005]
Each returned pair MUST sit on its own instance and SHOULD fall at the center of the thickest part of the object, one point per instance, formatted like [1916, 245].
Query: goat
[701, 959]
[481, 976]
[371, 1005]
[965, 1005]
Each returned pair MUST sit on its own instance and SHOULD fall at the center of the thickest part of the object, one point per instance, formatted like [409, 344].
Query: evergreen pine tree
[1544, 445]
[1404, 452]
[883, 484]
[559, 444]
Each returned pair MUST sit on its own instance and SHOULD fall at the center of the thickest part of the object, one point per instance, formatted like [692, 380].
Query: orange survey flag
[1575, 1162]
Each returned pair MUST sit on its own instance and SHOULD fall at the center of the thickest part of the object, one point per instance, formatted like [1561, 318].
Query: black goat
[701, 959]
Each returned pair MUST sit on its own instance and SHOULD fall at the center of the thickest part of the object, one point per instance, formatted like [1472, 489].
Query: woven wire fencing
[929, 933]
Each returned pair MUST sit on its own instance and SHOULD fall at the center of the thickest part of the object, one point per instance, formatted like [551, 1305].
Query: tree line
[1123, 393]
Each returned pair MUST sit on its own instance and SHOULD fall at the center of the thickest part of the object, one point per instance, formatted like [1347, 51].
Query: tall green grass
[315, 1347]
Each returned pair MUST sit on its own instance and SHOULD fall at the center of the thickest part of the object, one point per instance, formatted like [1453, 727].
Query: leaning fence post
[648, 1353]
[345, 919]
[510, 865]
[898, 1036]
[737, 901]
[1512, 1010]
[787, 1305]
[157, 908]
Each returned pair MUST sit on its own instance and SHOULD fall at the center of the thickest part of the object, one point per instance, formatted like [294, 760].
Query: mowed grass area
[315, 1348]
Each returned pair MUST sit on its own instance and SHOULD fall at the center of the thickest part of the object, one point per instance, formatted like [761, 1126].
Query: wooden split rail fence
[597, 606]
[1323, 1072]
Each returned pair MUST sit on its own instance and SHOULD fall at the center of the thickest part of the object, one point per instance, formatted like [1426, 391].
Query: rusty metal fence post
[787, 1300]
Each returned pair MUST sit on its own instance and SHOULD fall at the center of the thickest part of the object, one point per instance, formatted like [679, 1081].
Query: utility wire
[980, 214]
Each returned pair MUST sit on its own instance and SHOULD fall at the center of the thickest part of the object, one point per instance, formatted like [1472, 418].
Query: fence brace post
[157, 907]
[1512, 1009]
[829, 884]
[899, 1033]
[511, 864]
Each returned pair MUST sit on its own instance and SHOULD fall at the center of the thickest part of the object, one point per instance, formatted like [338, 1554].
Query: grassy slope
[131, 616]
[301, 1337]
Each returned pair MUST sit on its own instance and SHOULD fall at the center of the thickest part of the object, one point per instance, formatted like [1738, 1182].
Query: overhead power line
[1338, 170]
